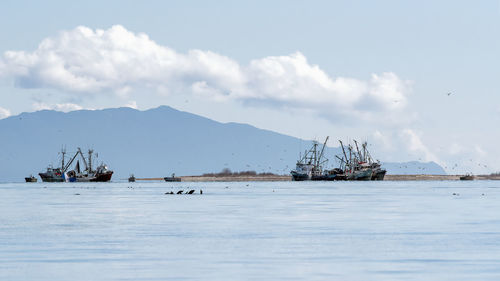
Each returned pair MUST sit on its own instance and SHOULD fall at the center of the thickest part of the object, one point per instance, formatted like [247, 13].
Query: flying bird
[448, 94]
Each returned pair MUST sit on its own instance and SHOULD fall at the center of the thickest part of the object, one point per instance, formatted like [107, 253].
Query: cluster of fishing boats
[72, 171]
[355, 164]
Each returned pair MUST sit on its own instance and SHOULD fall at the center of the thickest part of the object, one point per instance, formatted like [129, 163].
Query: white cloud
[4, 113]
[67, 107]
[64, 107]
[86, 61]
[131, 104]
[416, 145]
[406, 144]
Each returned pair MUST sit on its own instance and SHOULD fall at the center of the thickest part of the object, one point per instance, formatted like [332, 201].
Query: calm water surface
[242, 231]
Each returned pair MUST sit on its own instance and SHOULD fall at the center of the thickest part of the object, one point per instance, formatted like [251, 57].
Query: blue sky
[375, 70]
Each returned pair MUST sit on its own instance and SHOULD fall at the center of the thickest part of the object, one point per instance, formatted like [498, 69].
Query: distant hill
[151, 143]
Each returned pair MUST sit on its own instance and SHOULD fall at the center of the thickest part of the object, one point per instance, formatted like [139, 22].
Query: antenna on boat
[90, 159]
[63, 152]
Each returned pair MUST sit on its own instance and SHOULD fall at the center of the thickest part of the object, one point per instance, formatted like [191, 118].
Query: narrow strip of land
[238, 178]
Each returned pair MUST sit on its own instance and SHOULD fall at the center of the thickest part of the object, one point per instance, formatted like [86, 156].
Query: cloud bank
[4, 113]
[64, 107]
[117, 61]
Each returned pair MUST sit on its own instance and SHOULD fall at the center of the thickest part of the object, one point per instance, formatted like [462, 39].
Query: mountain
[151, 143]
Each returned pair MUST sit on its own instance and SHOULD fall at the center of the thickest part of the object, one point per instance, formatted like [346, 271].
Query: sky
[417, 80]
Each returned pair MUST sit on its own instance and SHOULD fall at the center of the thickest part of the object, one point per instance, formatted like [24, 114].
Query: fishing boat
[87, 174]
[467, 177]
[131, 178]
[310, 166]
[172, 178]
[31, 178]
[302, 172]
[359, 165]
[52, 175]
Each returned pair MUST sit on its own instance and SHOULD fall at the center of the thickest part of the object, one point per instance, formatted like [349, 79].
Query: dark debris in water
[190, 192]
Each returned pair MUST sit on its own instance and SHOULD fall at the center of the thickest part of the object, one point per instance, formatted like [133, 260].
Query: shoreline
[289, 178]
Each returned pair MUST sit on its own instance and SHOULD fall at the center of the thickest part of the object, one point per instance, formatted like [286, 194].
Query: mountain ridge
[150, 143]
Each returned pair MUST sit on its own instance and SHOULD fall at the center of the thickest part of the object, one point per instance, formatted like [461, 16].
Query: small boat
[131, 178]
[31, 178]
[467, 178]
[172, 178]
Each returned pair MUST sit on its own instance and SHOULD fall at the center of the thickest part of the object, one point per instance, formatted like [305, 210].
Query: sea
[388, 230]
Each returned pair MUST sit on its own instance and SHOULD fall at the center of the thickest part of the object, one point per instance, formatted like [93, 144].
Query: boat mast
[63, 152]
[345, 154]
[343, 164]
[323, 149]
[343, 150]
[84, 161]
[350, 157]
[369, 155]
[70, 161]
[315, 153]
[364, 152]
[90, 159]
[361, 159]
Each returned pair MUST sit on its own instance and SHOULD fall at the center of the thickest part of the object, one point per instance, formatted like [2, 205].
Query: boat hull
[378, 175]
[31, 179]
[50, 177]
[360, 175]
[299, 177]
[172, 179]
[104, 177]
[467, 178]
[325, 178]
